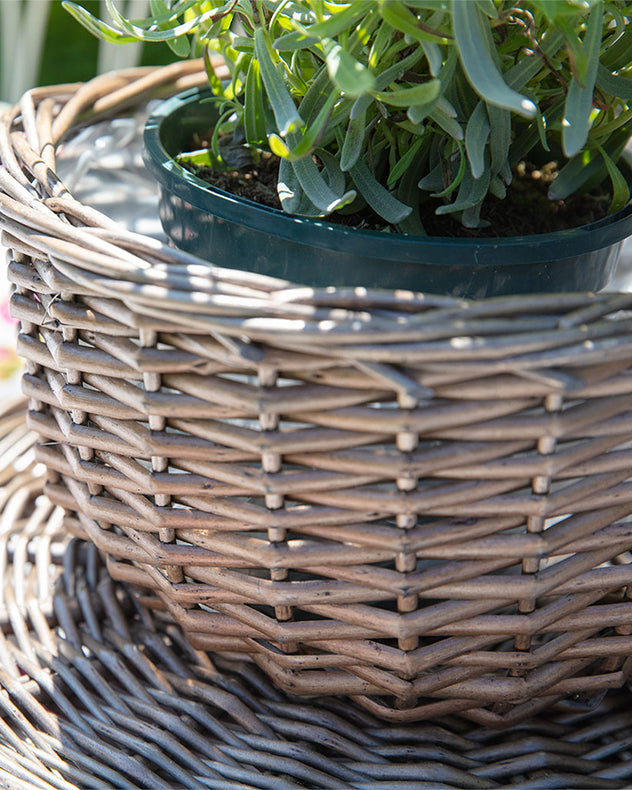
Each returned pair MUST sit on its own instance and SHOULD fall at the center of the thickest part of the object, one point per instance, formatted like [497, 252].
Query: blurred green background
[68, 52]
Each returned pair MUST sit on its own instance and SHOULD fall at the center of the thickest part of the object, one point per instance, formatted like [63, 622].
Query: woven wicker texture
[99, 692]
[417, 502]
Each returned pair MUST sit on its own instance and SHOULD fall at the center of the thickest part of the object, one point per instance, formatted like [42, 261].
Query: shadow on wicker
[416, 502]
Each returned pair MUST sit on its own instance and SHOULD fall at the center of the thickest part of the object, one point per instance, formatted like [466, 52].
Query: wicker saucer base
[98, 692]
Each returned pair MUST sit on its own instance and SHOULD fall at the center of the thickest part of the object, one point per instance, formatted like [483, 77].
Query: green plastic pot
[238, 233]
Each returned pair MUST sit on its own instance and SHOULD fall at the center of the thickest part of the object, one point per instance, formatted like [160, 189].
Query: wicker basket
[417, 502]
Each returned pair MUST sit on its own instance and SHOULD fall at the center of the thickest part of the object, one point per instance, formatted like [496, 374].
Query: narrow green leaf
[377, 196]
[446, 75]
[526, 69]
[166, 18]
[160, 11]
[381, 42]
[404, 162]
[423, 93]
[433, 55]
[541, 127]
[354, 139]
[524, 142]
[361, 105]
[315, 97]
[143, 34]
[614, 85]
[288, 188]
[254, 109]
[446, 107]
[432, 181]
[167, 11]
[243, 44]
[316, 189]
[401, 18]
[408, 192]
[180, 46]
[202, 157]
[606, 129]
[280, 148]
[579, 100]
[332, 173]
[471, 217]
[449, 125]
[340, 21]
[488, 8]
[575, 48]
[456, 181]
[283, 107]
[303, 145]
[617, 56]
[471, 193]
[216, 85]
[419, 112]
[96, 26]
[586, 165]
[417, 129]
[296, 39]
[556, 10]
[506, 173]
[497, 188]
[314, 132]
[395, 72]
[476, 136]
[283, 12]
[429, 5]
[500, 137]
[620, 188]
[218, 129]
[478, 63]
[348, 75]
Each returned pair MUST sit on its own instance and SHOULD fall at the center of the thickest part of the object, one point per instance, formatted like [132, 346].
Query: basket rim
[148, 276]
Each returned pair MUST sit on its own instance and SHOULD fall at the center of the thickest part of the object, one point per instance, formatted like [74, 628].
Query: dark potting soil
[256, 182]
[525, 210]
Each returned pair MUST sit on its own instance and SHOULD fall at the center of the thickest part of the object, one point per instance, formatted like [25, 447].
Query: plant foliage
[390, 102]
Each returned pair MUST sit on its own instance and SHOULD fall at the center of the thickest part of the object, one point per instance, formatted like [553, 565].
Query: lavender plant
[391, 103]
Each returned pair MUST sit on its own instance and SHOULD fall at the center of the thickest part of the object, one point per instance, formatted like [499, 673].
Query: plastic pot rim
[494, 251]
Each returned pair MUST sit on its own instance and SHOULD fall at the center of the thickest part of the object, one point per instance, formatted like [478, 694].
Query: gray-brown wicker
[98, 692]
[416, 502]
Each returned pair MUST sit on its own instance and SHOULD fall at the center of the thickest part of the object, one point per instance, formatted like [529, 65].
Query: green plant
[395, 103]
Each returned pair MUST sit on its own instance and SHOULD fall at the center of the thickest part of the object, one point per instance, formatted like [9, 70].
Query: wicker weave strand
[414, 501]
[99, 692]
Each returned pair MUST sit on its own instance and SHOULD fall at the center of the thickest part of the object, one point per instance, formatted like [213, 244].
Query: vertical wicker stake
[152, 383]
[541, 486]
[271, 464]
[73, 377]
[406, 560]
[32, 368]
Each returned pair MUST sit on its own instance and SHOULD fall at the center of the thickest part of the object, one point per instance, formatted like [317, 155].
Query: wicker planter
[232, 231]
[421, 503]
